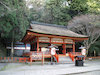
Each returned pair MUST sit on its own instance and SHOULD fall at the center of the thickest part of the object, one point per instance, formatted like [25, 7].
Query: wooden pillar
[50, 44]
[64, 48]
[42, 58]
[50, 41]
[73, 46]
[37, 44]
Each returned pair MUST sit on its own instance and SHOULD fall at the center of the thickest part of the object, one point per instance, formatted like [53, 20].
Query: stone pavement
[22, 69]
[2, 65]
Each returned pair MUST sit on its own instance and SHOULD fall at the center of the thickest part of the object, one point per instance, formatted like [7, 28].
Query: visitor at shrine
[53, 52]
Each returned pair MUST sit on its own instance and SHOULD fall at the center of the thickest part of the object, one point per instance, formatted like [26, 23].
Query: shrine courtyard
[90, 67]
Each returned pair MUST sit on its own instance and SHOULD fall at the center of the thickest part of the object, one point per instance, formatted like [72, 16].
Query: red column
[50, 44]
[50, 41]
[37, 44]
[73, 46]
[64, 48]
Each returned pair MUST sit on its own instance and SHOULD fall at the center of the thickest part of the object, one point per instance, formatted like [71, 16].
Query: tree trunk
[12, 48]
[87, 52]
[94, 53]
[12, 45]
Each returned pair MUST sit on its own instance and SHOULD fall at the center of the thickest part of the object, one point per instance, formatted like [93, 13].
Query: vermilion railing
[40, 56]
[34, 55]
[73, 54]
[57, 57]
[14, 59]
[34, 52]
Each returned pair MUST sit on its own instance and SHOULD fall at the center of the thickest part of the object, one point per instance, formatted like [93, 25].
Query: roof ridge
[47, 24]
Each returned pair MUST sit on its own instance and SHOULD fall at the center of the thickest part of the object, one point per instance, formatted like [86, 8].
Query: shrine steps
[65, 60]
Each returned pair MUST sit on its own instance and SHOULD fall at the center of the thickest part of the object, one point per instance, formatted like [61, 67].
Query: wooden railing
[34, 52]
[57, 57]
[37, 56]
[73, 54]
[40, 56]
[34, 56]
[14, 59]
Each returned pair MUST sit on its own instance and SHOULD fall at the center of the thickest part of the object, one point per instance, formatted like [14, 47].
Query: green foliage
[55, 12]
[15, 14]
[78, 7]
[95, 47]
[14, 21]
[58, 14]
[61, 11]
[94, 6]
[2, 50]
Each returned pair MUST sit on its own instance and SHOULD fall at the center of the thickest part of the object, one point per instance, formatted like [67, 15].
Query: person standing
[83, 52]
[53, 52]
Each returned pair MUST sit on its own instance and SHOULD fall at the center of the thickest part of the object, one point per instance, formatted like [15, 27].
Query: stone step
[66, 62]
[65, 59]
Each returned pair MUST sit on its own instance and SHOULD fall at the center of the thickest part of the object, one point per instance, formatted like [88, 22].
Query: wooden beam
[57, 36]
[30, 35]
[27, 38]
[54, 42]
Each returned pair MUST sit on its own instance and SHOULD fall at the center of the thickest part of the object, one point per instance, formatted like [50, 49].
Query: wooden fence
[14, 59]
[36, 56]
[33, 56]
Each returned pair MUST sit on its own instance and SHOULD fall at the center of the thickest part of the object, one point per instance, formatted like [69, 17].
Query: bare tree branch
[86, 24]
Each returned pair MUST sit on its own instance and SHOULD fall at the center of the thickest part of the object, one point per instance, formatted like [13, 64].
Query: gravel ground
[2, 65]
[88, 73]
[67, 69]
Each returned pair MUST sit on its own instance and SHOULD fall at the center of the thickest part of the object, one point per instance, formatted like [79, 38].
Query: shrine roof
[53, 29]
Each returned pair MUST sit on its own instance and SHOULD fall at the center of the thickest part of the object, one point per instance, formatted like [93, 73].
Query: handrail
[57, 57]
[73, 54]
